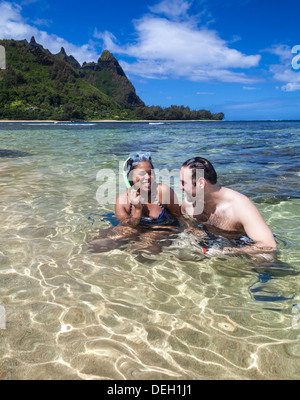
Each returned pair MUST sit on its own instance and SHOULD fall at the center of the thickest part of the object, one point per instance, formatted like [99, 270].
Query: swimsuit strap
[160, 205]
[163, 215]
[164, 212]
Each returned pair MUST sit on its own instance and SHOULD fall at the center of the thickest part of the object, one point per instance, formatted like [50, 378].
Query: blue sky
[233, 56]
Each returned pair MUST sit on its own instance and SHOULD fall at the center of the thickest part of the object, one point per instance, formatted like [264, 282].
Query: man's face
[186, 183]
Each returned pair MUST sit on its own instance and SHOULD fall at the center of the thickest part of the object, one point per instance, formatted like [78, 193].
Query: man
[219, 207]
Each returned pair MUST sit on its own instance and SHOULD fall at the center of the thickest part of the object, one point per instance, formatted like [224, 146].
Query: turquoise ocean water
[74, 314]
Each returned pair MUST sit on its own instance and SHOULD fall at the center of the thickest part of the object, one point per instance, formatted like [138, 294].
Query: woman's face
[143, 175]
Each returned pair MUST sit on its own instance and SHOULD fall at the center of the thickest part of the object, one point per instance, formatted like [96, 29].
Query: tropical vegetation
[38, 85]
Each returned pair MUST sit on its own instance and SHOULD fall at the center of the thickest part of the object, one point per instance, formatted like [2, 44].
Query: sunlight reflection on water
[73, 314]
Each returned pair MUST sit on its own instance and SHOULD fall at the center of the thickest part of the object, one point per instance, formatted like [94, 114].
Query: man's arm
[255, 228]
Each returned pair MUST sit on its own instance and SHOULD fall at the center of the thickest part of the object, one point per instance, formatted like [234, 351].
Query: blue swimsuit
[163, 216]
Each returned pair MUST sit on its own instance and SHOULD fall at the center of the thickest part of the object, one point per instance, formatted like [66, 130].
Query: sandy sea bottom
[73, 314]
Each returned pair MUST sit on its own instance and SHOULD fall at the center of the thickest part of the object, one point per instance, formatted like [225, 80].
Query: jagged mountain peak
[108, 76]
[107, 56]
[68, 59]
[38, 84]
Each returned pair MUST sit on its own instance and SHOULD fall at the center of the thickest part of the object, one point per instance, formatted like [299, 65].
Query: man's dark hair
[197, 163]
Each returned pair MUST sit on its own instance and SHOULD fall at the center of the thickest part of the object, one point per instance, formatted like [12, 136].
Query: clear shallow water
[73, 314]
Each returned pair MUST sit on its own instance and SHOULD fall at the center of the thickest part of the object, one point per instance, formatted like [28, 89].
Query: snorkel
[125, 174]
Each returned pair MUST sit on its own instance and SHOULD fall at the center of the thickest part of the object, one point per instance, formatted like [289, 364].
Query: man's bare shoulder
[234, 196]
[238, 203]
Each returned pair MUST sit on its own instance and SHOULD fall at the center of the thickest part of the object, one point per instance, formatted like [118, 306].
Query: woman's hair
[134, 160]
[197, 163]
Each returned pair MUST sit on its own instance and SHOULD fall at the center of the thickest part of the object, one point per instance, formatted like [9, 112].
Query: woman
[146, 211]
[145, 201]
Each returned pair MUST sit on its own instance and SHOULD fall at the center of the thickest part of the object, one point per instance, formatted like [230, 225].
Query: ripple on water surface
[73, 314]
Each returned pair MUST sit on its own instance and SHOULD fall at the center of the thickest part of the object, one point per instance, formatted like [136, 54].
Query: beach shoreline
[106, 121]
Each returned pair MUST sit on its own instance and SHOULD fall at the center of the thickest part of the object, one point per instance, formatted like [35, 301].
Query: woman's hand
[122, 208]
[134, 197]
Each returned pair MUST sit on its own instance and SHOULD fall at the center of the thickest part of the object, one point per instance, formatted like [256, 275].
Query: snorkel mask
[133, 160]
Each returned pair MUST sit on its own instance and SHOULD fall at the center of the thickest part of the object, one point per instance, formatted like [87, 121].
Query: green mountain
[69, 59]
[39, 85]
[108, 76]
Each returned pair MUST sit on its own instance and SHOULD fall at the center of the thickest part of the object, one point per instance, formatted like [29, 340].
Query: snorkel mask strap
[125, 173]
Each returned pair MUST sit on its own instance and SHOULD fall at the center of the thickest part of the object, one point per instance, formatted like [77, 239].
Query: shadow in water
[143, 238]
[267, 289]
[13, 154]
[148, 242]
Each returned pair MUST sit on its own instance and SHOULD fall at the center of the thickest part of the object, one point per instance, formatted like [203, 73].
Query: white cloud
[27, 2]
[250, 88]
[42, 22]
[259, 105]
[282, 51]
[283, 72]
[291, 87]
[172, 8]
[177, 49]
[14, 26]
[169, 45]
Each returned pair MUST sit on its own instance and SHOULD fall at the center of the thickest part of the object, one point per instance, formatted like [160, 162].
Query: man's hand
[195, 231]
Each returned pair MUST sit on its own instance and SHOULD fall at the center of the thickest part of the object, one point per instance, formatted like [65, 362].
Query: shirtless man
[225, 209]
